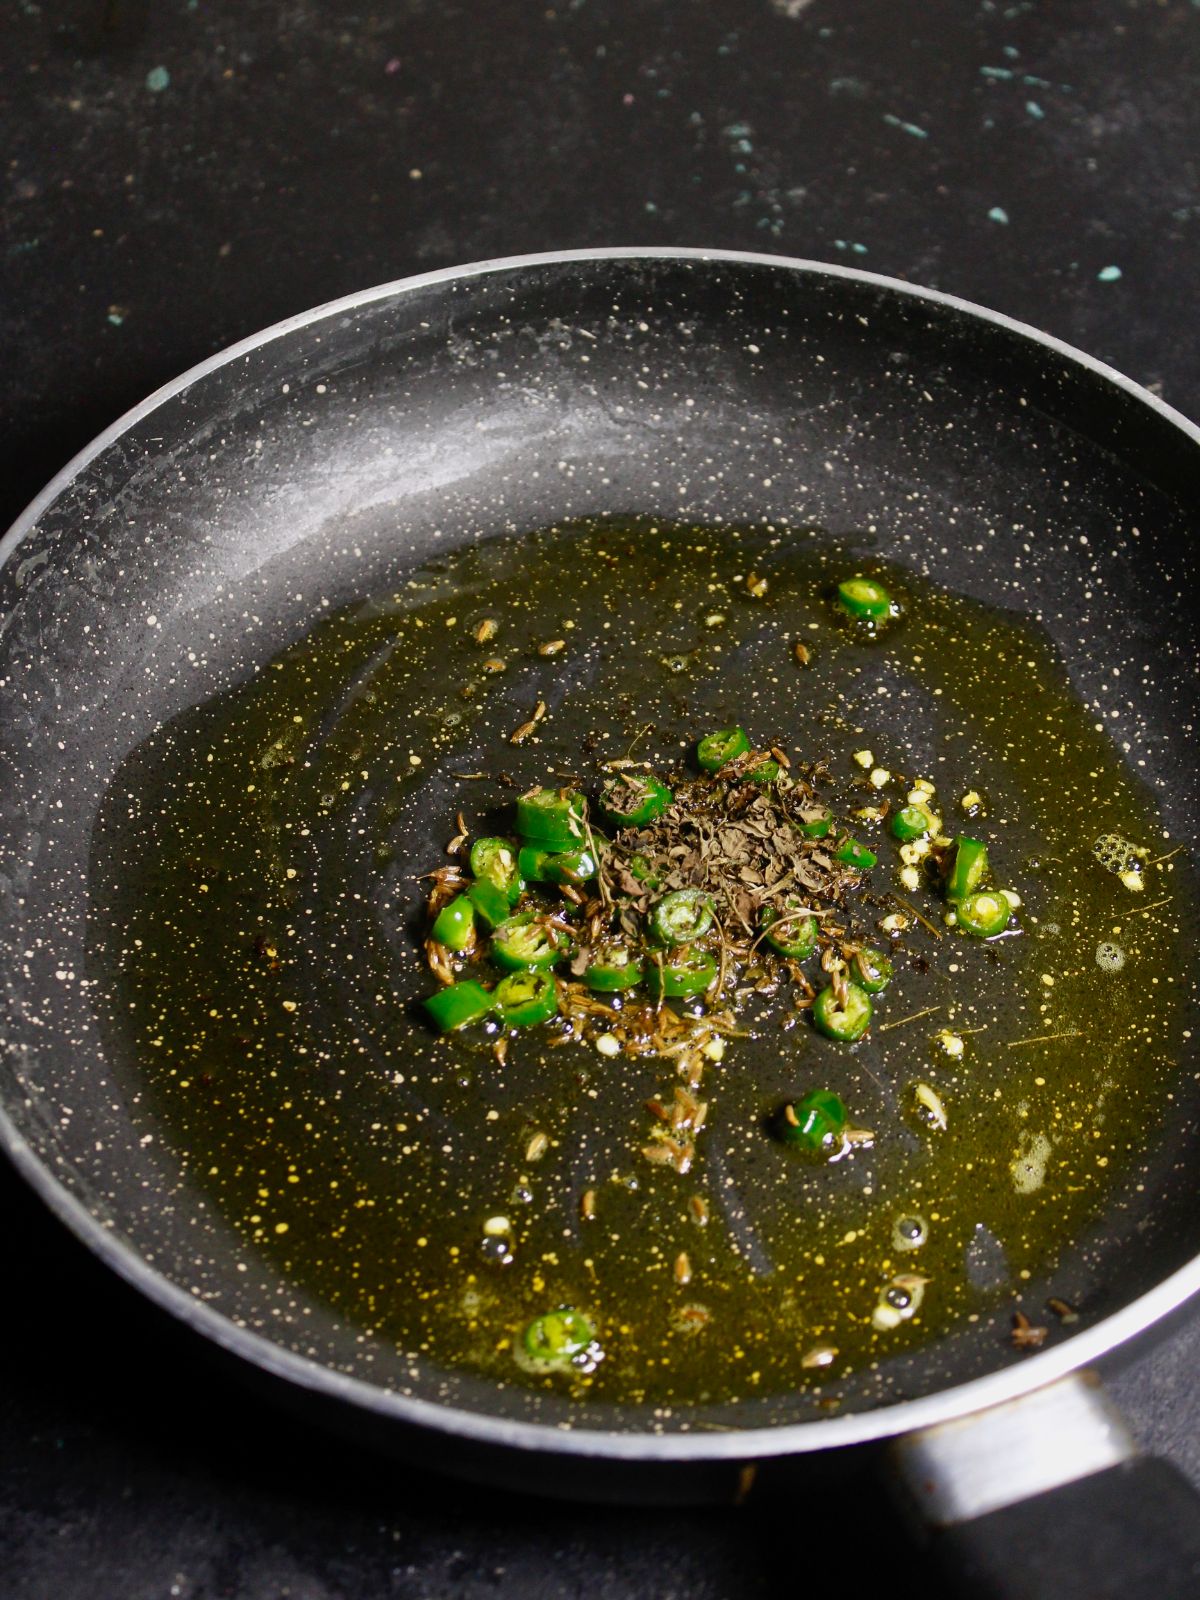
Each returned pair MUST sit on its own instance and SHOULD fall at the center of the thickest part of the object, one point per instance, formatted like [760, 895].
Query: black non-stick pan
[297, 472]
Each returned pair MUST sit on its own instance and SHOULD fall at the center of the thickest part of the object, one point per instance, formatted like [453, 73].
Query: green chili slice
[681, 916]
[844, 1022]
[570, 866]
[855, 855]
[984, 914]
[909, 823]
[454, 925]
[556, 1338]
[716, 750]
[614, 967]
[764, 774]
[682, 973]
[524, 945]
[552, 818]
[531, 863]
[496, 861]
[644, 873]
[872, 970]
[526, 998]
[458, 1004]
[968, 869]
[817, 827]
[630, 801]
[813, 1121]
[797, 928]
[863, 597]
[490, 902]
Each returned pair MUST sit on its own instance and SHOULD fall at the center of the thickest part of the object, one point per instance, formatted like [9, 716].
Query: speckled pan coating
[217, 521]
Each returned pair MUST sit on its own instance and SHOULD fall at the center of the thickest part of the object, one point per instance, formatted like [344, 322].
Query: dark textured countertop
[179, 174]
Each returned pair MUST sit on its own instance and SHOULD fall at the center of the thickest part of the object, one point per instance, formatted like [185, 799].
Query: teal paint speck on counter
[1109, 274]
[157, 79]
[998, 214]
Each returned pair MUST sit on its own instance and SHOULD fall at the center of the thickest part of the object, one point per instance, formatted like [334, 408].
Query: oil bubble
[1109, 957]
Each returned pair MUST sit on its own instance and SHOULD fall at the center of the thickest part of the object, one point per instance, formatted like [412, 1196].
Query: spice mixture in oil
[624, 1182]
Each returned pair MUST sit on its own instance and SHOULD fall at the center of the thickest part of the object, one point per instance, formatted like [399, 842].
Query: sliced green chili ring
[968, 869]
[855, 855]
[526, 998]
[798, 929]
[984, 914]
[570, 866]
[681, 916]
[872, 970]
[523, 945]
[615, 967]
[765, 773]
[909, 823]
[552, 818]
[458, 1004]
[496, 861]
[454, 925]
[813, 1121]
[863, 597]
[629, 801]
[556, 1338]
[641, 869]
[716, 750]
[684, 973]
[531, 863]
[490, 902]
[844, 1022]
[818, 828]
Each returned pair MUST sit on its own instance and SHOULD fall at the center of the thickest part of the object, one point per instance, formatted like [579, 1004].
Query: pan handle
[1047, 1498]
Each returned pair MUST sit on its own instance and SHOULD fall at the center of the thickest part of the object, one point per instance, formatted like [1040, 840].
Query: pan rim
[775, 1439]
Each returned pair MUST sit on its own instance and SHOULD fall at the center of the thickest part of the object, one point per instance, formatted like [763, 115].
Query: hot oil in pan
[263, 856]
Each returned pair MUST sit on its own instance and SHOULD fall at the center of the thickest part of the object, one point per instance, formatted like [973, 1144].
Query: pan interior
[406, 446]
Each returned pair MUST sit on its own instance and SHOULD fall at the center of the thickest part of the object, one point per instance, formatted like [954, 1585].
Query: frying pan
[207, 529]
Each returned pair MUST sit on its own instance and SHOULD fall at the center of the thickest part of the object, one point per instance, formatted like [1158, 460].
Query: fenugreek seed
[522, 733]
[802, 653]
[698, 1208]
[587, 1205]
[821, 1355]
[756, 586]
[537, 1147]
[539, 711]
[486, 630]
[683, 1268]
[500, 1050]
[552, 647]
[493, 664]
